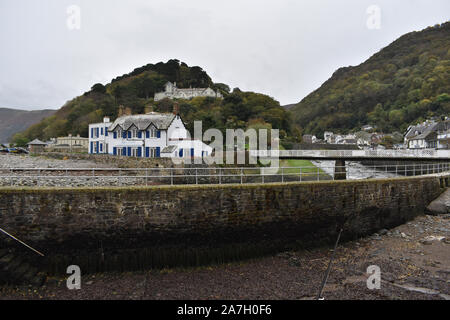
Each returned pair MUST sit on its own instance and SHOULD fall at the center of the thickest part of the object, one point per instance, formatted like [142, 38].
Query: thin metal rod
[325, 278]
[10, 235]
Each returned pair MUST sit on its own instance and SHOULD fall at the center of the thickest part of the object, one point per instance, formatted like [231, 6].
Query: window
[119, 133]
[153, 133]
[134, 133]
[152, 152]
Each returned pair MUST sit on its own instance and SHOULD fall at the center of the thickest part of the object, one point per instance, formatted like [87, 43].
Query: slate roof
[169, 149]
[424, 132]
[161, 121]
[37, 142]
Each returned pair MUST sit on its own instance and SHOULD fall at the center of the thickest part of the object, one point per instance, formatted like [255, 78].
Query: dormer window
[153, 132]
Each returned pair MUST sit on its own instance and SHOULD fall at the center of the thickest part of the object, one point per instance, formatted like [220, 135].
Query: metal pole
[282, 174]
[196, 176]
[242, 172]
[10, 235]
[324, 281]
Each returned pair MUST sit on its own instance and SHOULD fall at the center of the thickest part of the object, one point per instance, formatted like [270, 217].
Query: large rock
[441, 205]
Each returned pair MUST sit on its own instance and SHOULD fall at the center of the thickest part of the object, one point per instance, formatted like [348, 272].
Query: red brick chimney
[176, 108]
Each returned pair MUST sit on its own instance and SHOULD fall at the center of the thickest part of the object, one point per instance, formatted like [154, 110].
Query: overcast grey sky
[283, 48]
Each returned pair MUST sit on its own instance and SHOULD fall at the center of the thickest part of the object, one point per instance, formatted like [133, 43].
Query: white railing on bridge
[349, 154]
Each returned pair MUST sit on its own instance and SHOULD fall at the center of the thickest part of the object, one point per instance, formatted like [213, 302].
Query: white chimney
[105, 120]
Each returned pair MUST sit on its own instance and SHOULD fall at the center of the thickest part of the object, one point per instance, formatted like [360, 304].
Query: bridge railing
[79, 177]
[348, 154]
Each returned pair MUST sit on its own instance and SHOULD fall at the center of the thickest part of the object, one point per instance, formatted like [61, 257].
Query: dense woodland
[404, 83]
[135, 91]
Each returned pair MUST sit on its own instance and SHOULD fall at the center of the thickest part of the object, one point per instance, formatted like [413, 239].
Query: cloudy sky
[283, 48]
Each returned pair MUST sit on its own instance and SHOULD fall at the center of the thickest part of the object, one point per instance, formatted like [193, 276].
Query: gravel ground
[414, 260]
[27, 161]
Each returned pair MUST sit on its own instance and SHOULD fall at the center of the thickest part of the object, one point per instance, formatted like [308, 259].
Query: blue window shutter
[129, 151]
[101, 132]
[147, 152]
[158, 134]
[92, 147]
[158, 152]
[181, 153]
[147, 134]
[192, 152]
[96, 132]
[101, 147]
[106, 131]
[115, 135]
[114, 151]
[92, 132]
[124, 134]
[129, 134]
[96, 147]
[139, 152]
[139, 134]
[124, 151]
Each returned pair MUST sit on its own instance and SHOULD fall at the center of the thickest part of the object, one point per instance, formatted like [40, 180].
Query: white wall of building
[143, 144]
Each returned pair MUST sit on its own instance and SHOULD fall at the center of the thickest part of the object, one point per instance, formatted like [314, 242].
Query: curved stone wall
[90, 219]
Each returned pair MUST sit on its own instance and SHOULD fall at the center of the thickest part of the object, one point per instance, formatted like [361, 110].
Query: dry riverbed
[414, 260]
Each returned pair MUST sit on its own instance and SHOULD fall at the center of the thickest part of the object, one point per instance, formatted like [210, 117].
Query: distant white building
[345, 139]
[422, 136]
[151, 135]
[172, 92]
[328, 136]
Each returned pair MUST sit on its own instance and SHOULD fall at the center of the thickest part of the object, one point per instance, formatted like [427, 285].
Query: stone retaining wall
[82, 219]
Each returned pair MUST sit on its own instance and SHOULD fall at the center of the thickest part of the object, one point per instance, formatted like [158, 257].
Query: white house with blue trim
[151, 135]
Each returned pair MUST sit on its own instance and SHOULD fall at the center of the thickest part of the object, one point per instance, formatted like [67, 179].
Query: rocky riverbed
[414, 260]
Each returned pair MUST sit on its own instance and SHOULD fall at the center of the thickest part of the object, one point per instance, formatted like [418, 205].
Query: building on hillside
[422, 136]
[345, 139]
[308, 138]
[36, 146]
[69, 144]
[172, 92]
[150, 135]
[443, 134]
[368, 127]
[328, 136]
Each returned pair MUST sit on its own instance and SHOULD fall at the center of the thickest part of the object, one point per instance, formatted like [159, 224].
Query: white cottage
[151, 135]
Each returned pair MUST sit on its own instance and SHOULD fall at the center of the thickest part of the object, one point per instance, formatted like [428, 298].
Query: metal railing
[348, 154]
[205, 175]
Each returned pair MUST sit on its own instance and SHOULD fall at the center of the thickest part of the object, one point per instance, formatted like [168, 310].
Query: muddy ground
[414, 260]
